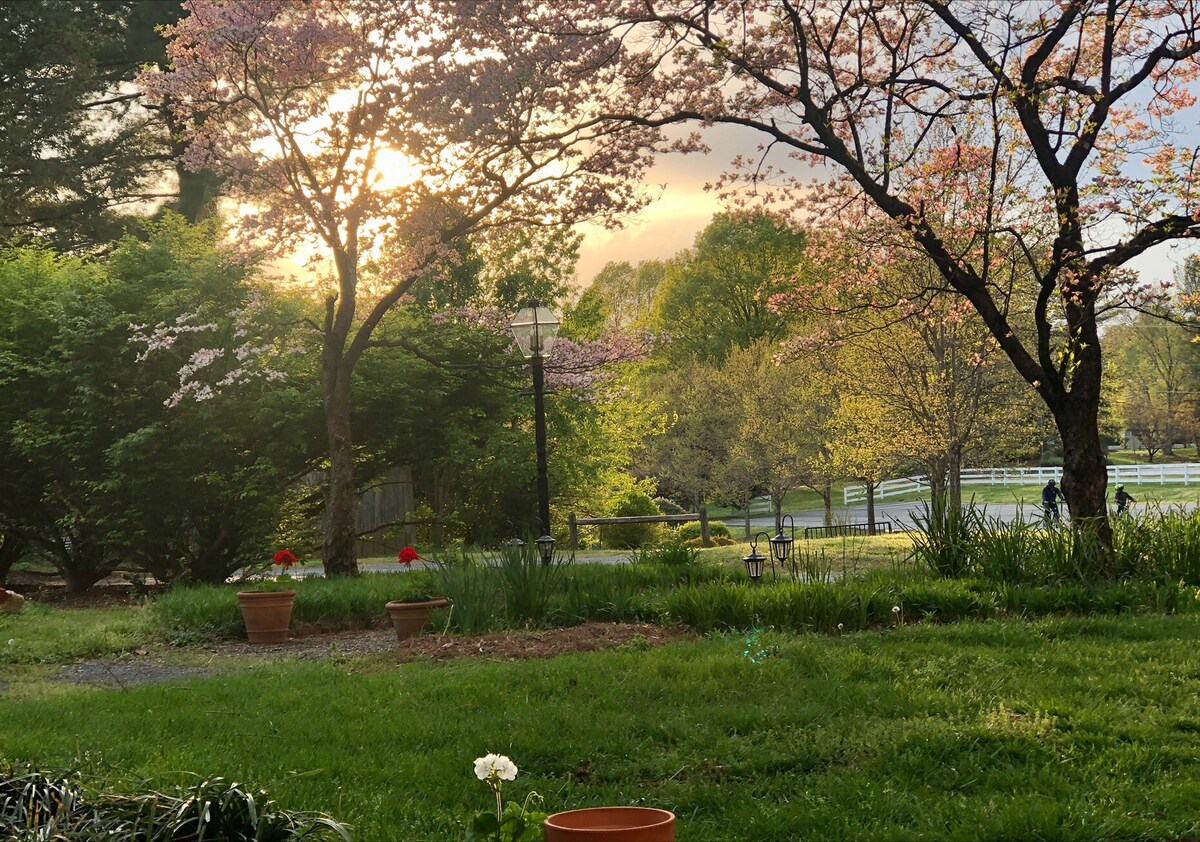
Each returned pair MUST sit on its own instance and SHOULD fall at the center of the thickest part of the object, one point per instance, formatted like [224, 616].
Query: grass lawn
[1060, 728]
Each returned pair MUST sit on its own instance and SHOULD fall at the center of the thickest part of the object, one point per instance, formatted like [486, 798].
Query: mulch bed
[50, 590]
[144, 666]
[506, 645]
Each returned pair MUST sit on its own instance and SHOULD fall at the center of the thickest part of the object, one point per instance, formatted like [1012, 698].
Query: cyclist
[1051, 494]
[1123, 499]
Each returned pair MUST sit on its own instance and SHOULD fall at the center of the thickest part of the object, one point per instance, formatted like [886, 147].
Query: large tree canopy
[382, 132]
[1029, 149]
[81, 151]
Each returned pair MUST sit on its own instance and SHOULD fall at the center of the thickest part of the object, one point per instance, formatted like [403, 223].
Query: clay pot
[611, 824]
[267, 614]
[10, 602]
[408, 618]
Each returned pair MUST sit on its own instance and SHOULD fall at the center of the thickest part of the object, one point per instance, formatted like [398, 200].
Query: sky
[683, 208]
[671, 223]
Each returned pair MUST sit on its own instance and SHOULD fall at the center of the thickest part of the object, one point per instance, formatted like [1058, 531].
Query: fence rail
[1184, 472]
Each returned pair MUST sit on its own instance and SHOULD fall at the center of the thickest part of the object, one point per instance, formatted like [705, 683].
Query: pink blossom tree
[1029, 149]
[376, 132]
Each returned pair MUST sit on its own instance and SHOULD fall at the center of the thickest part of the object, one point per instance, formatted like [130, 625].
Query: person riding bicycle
[1051, 494]
[1123, 499]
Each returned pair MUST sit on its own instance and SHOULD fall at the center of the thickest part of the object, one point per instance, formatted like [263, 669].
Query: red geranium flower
[284, 558]
[408, 555]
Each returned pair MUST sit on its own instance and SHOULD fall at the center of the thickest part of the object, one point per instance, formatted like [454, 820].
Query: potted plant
[513, 822]
[410, 615]
[267, 610]
[611, 824]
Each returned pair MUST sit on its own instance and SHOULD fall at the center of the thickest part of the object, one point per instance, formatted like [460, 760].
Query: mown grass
[44, 634]
[1065, 728]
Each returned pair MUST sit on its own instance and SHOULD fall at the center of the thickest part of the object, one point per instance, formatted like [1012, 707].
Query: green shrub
[716, 529]
[720, 541]
[1159, 545]
[628, 536]
[672, 552]
[187, 614]
[668, 506]
[872, 601]
[527, 583]
[613, 593]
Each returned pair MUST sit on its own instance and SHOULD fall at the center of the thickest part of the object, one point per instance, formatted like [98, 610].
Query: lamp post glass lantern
[535, 328]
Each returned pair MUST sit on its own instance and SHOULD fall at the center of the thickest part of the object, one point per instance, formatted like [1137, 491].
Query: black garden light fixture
[781, 545]
[545, 545]
[535, 329]
[755, 562]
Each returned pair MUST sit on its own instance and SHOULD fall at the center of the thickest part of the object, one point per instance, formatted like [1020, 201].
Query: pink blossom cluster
[584, 364]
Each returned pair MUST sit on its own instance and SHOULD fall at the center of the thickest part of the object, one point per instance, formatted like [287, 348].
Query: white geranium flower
[495, 767]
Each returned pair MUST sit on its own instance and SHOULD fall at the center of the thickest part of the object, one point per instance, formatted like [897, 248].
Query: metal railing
[847, 529]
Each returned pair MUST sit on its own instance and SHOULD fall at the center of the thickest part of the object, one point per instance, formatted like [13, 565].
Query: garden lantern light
[755, 562]
[545, 546]
[781, 545]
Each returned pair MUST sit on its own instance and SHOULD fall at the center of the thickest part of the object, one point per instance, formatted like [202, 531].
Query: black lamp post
[535, 329]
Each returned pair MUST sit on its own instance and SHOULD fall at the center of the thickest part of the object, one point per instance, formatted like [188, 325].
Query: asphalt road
[900, 514]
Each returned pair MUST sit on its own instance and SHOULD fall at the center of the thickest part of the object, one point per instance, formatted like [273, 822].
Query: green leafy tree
[113, 474]
[700, 412]
[619, 297]
[81, 149]
[717, 296]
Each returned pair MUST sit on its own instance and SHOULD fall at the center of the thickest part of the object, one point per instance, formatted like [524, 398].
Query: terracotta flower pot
[267, 614]
[611, 824]
[10, 602]
[408, 618]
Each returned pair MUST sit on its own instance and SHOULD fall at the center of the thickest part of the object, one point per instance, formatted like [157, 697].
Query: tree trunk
[777, 504]
[870, 507]
[937, 478]
[12, 547]
[954, 476]
[748, 499]
[827, 496]
[1085, 477]
[341, 529]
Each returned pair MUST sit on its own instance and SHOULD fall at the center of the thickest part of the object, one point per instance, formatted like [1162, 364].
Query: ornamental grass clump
[527, 583]
[474, 589]
[39, 805]
[945, 537]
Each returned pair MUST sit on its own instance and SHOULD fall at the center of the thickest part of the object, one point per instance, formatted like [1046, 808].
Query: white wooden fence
[1180, 472]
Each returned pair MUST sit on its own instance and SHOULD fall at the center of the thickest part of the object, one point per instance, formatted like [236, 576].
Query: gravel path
[118, 675]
